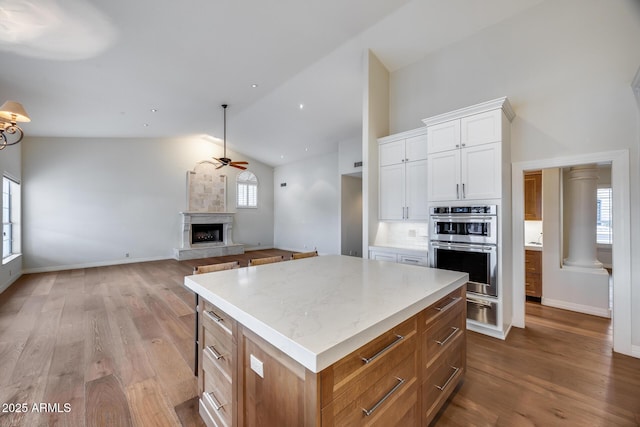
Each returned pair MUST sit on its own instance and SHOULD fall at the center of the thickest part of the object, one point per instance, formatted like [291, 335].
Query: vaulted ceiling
[290, 70]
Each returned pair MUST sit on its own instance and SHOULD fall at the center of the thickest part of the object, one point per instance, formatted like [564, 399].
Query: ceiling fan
[224, 160]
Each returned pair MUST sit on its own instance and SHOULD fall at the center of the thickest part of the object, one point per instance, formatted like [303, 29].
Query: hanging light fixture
[11, 112]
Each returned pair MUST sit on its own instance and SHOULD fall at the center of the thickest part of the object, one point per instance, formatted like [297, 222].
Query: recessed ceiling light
[306, 149]
[301, 106]
[254, 85]
[146, 125]
[282, 156]
[154, 110]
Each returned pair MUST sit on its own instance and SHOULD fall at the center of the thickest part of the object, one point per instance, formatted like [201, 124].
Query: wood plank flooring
[113, 346]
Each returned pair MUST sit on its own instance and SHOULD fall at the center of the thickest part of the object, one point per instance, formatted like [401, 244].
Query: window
[247, 192]
[10, 218]
[605, 215]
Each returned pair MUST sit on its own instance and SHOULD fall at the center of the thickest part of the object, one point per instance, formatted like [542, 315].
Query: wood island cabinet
[400, 378]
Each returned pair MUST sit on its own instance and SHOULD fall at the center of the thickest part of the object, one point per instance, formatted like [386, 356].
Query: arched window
[247, 190]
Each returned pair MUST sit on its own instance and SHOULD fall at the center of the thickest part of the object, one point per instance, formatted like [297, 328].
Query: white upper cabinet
[402, 190]
[444, 136]
[482, 128]
[466, 150]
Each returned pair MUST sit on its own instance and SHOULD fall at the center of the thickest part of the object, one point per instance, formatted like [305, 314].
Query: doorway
[351, 215]
[621, 248]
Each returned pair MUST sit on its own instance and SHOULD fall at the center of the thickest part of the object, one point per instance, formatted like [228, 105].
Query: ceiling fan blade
[221, 166]
[236, 166]
[240, 163]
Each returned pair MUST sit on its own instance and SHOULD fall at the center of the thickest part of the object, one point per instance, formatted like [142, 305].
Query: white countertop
[532, 247]
[405, 249]
[317, 310]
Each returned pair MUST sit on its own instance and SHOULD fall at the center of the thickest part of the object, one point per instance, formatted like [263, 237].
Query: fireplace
[207, 234]
[203, 233]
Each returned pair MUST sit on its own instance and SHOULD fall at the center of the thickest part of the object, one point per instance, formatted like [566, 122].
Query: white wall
[350, 152]
[565, 287]
[89, 202]
[375, 124]
[11, 165]
[567, 69]
[307, 209]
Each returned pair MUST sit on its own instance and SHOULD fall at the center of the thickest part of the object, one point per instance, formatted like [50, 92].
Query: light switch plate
[256, 365]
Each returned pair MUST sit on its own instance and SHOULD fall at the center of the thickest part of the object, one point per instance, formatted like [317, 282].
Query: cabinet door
[481, 171]
[481, 128]
[443, 176]
[391, 153]
[391, 195]
[443, 136]
[416, 190]
[416, 148]
[533, 196]
[383, 256]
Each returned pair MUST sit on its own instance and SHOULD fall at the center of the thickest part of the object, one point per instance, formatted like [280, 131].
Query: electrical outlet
[126, 255]
[256, 365]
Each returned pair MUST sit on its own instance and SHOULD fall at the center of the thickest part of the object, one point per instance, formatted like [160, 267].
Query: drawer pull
[381, 352]
[453, 332]
[449, 305]
[214, 352]
[213, 401]
[219, 320]
[369, 412]
[213, 316]
[442, 387]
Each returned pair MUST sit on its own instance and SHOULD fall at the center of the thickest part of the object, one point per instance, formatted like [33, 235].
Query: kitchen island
[330, 340]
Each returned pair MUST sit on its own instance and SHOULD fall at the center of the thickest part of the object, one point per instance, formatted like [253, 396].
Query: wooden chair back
[216, 267]
[266, 260]
[300, 255]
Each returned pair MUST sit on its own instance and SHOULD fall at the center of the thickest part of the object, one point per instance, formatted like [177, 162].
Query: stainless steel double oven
[465, 238]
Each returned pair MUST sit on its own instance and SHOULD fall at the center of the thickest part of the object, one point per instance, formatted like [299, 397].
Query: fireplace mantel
[189, 250]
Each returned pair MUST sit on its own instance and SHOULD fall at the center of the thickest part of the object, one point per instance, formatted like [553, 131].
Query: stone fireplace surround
[189, 250]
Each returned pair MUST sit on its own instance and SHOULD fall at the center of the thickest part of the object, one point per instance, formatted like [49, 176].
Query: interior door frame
[621, 248]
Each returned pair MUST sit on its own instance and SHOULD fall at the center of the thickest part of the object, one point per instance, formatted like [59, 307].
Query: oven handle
[468, 248]
[448, 218]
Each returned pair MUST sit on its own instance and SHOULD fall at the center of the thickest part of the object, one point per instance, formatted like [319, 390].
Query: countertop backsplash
[402, 234]
[532, 232]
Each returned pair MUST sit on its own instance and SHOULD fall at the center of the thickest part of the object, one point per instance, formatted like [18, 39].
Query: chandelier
[11, 112]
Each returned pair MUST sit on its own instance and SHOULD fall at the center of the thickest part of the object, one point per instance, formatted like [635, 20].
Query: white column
[582, 189]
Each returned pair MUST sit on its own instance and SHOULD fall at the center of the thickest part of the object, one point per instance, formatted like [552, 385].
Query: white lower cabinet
[399, 255]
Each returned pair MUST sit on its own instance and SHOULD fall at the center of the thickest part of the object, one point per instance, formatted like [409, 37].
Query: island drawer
[442, 333]
[219, 352]
[217, 321]
[387, 349]
[217, 394]
[442, 378]
[451, 302]
[388, 399]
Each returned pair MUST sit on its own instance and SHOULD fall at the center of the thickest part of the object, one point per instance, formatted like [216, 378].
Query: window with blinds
[604, 217]
[247, 190]
[10, 217]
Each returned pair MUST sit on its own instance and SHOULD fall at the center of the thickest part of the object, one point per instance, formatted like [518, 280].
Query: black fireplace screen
[201, 233]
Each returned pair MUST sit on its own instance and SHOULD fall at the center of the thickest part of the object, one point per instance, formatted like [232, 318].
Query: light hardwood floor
[116, 345]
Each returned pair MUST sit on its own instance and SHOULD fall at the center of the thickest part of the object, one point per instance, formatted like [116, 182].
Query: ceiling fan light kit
[224, 160]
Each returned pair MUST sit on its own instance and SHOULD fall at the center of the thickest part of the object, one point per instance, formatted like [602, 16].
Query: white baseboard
[92, 264]
[635, 351]
[586, 309]
[10, 282]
